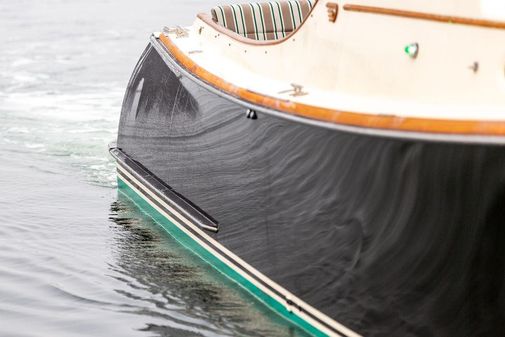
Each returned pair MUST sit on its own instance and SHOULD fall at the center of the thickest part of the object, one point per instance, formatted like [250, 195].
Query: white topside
[358, 63]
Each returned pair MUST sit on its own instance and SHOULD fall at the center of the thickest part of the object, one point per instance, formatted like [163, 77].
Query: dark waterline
[76, 257]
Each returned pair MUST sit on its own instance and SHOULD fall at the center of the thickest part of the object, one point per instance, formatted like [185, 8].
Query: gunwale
[379, 122]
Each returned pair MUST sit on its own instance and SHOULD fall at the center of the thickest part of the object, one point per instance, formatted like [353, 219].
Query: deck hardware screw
[474, 67]
[251, 114]
[412, 50]
[332, 11]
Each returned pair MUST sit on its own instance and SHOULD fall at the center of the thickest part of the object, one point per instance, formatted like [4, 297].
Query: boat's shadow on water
[176, 291]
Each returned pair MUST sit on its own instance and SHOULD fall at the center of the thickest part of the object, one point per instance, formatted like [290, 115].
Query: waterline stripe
[316, 319]
[206, 253]
[266, 284]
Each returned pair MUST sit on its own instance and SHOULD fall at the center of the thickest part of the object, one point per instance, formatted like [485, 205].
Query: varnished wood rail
[425, 16]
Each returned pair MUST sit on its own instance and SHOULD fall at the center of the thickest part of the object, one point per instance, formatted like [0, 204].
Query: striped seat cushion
[263, 21]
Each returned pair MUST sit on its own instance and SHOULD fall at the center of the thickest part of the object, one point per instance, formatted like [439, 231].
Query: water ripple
[75, 258]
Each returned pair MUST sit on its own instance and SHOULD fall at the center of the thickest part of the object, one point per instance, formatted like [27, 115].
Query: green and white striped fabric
[263, 21]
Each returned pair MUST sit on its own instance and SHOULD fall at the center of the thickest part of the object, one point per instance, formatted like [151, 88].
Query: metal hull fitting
[343, 233]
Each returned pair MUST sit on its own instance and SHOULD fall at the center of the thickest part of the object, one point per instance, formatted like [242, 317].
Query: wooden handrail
[425, 16]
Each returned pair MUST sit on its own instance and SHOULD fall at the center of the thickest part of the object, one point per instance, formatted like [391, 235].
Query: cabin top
[416, 66]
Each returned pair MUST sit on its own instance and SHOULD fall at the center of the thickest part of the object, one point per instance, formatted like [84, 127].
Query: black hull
[388, 236]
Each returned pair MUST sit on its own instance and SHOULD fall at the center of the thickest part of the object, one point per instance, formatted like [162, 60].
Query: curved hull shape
[385, 236]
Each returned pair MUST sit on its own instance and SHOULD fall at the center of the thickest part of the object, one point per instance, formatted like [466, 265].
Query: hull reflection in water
[181, 296]
[341, 233]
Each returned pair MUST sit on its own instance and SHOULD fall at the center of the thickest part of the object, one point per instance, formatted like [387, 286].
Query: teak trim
[364, 120]
[425, 16]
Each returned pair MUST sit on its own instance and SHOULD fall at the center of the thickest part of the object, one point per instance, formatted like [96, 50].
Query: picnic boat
[343, 161]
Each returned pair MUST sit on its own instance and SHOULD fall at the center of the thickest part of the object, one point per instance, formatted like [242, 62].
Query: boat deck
[312, 75]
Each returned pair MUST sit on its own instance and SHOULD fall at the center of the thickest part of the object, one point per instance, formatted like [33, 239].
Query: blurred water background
[76, 257]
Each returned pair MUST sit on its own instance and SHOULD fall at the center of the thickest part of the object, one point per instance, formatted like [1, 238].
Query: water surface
[76, 257]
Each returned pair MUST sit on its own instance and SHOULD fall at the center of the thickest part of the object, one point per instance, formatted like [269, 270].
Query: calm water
[76, 257]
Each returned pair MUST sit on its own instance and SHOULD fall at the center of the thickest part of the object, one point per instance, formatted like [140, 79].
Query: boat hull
[341, 232]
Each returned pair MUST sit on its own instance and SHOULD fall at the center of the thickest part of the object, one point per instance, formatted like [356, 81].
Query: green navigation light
[412, 50]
